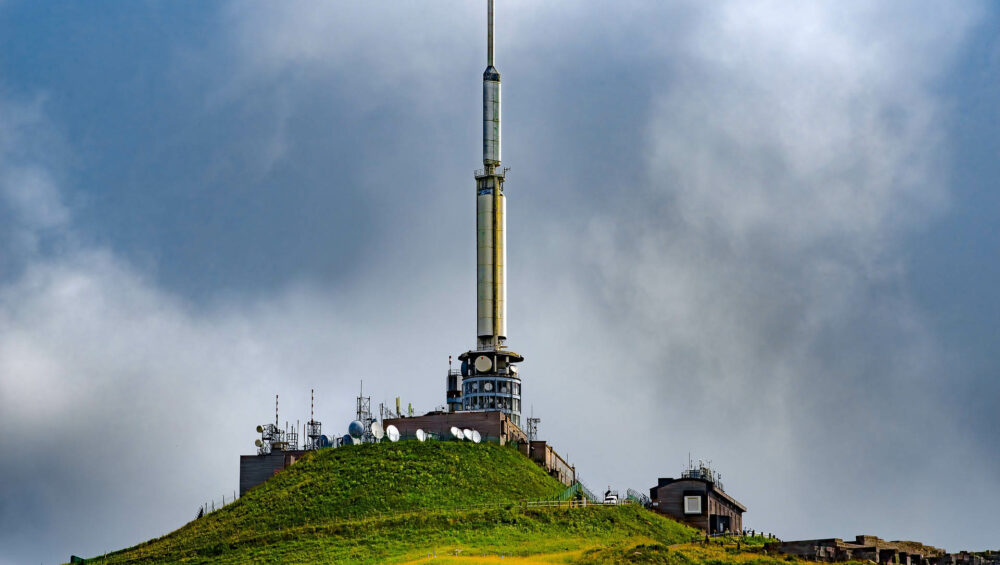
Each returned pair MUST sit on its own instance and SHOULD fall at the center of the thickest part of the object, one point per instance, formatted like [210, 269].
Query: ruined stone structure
[877, 550]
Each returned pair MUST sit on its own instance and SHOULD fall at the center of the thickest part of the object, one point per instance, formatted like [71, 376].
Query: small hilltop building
[698, 500]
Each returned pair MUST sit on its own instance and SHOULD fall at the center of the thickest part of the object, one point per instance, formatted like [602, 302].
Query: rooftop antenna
[489, 34]
[365, 414]
[276, 410]
[533, 425]
[314, 429]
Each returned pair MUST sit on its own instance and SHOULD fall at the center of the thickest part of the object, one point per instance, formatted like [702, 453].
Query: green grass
[392, 503]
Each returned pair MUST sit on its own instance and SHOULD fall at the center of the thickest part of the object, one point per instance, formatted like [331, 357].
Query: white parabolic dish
[457, 433]
[483, 364]
[467, 433]
[392, 432]
[377, 431]
[476, 436]
[421, 436]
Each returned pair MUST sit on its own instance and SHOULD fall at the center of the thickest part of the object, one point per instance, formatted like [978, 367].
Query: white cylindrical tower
[491, 259]
[491, 117]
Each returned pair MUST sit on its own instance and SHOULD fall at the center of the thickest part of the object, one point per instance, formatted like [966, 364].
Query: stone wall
[875, 549]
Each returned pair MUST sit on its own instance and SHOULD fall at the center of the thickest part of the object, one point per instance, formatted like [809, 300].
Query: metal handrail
[498, 172]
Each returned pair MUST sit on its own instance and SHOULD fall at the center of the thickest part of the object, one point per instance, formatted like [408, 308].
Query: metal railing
[499, 172]
[572, 503]
[213, 505]
[638, 497]
[582, 489]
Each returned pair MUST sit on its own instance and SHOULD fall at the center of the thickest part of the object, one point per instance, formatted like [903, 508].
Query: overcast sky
[760, 233]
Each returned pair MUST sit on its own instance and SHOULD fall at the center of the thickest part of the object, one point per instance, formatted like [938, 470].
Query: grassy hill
[414, 502]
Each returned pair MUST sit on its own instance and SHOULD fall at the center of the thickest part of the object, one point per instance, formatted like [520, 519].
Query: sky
[760, 234]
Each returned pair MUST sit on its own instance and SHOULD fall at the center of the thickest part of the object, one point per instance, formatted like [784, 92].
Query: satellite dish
[356, 429]
[323, 441]
[512, 369]
[483, 364]
[476, 436]
[392, 432]
[421, 435]
[457, 433]
[260, 429]
[258, 443]
[467, 433]
[377, 431]
[347, 440]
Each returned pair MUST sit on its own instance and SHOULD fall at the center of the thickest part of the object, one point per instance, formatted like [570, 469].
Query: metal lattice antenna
[312, 403]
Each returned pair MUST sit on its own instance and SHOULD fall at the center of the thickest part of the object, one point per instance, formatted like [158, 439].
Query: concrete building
[255, 469]
[697, 499]
[542, 454]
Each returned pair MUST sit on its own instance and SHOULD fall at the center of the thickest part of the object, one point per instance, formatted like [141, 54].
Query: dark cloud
[712, 218]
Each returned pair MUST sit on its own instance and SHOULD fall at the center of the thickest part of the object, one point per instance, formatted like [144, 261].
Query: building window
[692, 505]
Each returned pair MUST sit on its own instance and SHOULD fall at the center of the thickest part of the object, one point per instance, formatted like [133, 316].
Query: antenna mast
[489, 33]
[488, 380]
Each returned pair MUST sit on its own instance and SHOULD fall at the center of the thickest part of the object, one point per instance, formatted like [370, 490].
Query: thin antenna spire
[276, 411]
[489, 33]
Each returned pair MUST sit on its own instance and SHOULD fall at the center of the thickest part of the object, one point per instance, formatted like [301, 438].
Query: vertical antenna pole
[489, 33]
[276, 411]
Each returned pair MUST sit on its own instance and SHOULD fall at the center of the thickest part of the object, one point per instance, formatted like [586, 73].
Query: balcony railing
[498, 172]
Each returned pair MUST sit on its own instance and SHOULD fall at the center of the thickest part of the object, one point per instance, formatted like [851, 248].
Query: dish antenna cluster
[364, 429]
[466, 435]
[375, 433]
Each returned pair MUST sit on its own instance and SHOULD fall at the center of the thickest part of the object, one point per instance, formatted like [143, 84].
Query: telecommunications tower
[489, 379]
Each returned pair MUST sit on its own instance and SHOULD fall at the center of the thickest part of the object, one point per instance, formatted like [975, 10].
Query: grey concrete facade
[255, 469]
